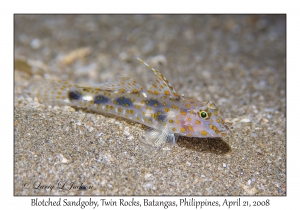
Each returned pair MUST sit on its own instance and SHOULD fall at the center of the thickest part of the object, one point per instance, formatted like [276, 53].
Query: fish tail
[52, 92]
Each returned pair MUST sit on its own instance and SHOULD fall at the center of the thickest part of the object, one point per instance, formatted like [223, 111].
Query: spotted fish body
[160, 108]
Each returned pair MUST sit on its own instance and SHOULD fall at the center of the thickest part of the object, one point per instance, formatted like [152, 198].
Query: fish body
[159, 107]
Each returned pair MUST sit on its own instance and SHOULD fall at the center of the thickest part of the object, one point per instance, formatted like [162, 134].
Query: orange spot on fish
[183, 112]
[204, 133]
[190, 128]
[167, 92]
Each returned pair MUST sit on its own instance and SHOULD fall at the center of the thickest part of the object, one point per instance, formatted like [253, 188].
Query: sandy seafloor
[236, 61]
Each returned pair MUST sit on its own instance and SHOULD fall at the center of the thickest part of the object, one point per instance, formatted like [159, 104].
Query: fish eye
[203, 114]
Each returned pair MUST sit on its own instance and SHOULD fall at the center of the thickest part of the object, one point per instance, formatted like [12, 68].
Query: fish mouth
[224, 132]
[226, 127]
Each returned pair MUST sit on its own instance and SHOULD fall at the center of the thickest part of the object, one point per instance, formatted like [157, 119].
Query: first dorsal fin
[161, 84]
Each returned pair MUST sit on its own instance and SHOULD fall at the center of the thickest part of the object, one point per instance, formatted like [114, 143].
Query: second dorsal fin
[121, 84]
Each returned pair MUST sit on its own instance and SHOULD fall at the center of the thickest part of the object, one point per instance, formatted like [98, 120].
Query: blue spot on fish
[153, 102]
[74, 95]
[100, 99]
[124, 101]
[161, 117]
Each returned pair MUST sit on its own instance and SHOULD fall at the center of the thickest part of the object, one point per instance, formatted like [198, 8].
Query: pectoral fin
[157, 137]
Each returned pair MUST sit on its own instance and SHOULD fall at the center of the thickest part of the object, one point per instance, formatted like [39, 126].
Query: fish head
[205, 122]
